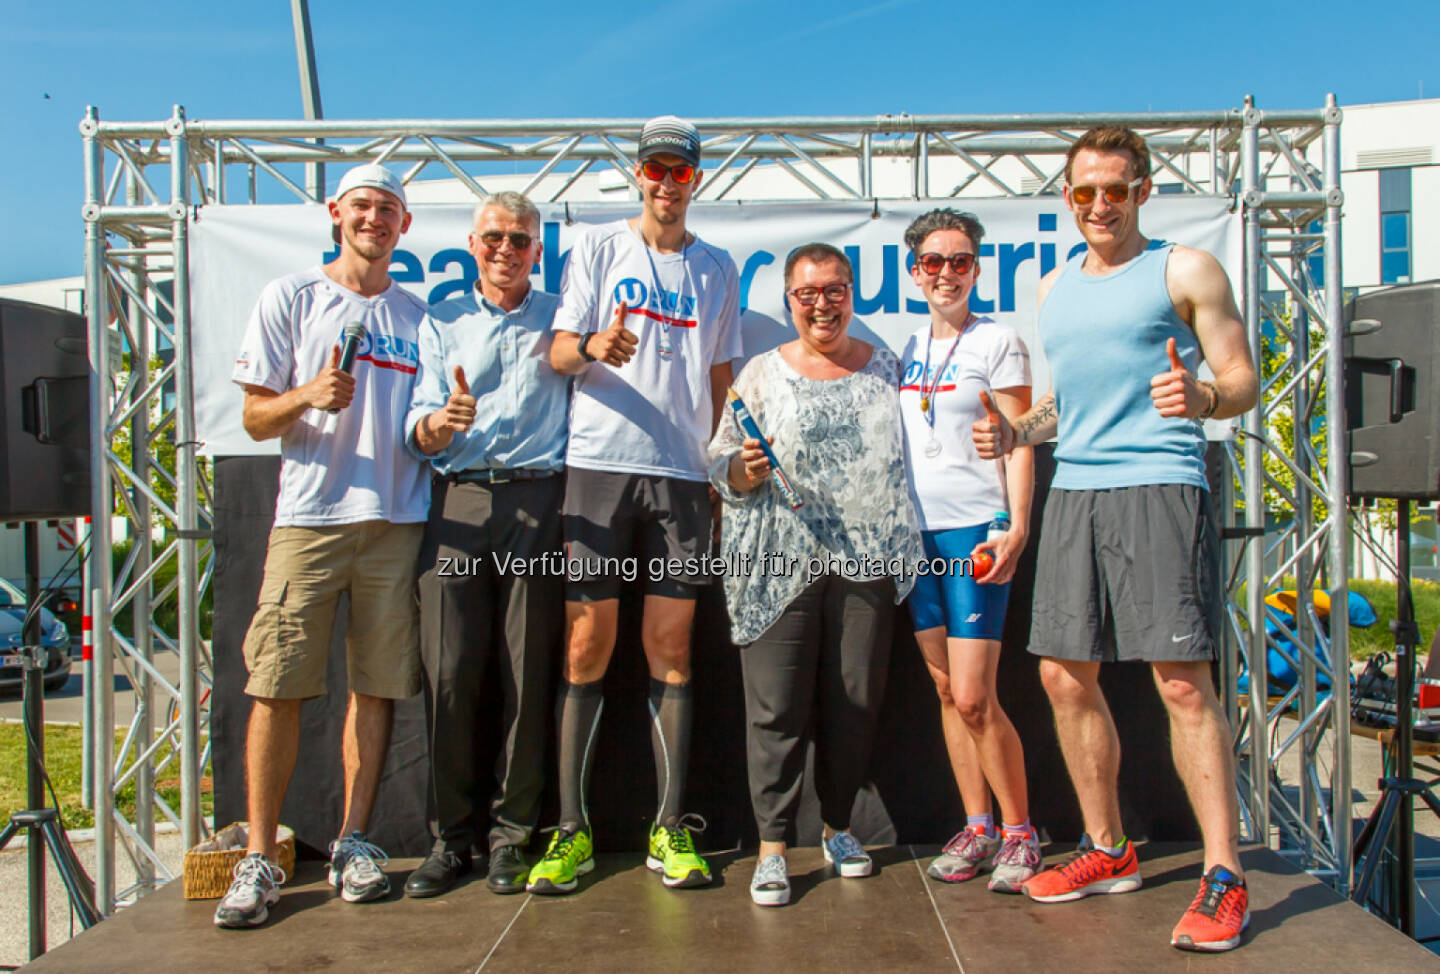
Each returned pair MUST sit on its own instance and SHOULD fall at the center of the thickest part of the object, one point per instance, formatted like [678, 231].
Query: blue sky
[563, 58]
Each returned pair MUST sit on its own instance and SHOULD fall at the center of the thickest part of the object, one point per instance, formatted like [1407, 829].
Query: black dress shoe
[508, 871]
[436, 874]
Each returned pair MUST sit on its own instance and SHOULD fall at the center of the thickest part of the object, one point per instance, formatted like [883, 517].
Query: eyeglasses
[935, 263]
[655, 171]
[518, 240]
[1114, 192]
[807, 296]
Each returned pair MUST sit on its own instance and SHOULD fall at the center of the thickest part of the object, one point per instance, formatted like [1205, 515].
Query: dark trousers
[489, 638]
[817, 674]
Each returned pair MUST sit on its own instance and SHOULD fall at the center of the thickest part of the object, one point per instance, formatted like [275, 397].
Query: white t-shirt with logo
[350, 466]
[653, 415]
[955, 488]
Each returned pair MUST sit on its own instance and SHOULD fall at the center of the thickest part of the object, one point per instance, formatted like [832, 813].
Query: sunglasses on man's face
[935, 263]
[518, 240]
[1114, 192]
[655, 172]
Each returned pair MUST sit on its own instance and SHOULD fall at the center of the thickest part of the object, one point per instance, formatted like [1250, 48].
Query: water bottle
[999, 525]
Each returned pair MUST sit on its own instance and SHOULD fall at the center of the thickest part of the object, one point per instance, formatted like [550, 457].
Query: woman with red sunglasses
[955, 370]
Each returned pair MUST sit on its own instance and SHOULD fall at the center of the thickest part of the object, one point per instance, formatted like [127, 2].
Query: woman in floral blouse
[812, 604]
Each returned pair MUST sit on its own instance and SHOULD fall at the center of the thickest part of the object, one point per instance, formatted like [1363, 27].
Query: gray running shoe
[963, 856]
[770, 886]
[849, 856]
[256, 888]
[355, 869]
[1017, 860]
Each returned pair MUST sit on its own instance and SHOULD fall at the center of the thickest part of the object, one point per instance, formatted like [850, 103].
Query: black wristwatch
[584, 341]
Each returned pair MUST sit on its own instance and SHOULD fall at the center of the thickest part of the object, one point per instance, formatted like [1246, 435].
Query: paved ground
[67, 704]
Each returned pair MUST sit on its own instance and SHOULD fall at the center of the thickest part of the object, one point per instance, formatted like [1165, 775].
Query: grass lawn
[62, 761]
[1364, 643]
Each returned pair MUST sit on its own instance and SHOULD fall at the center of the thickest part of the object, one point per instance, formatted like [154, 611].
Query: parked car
[54, 636]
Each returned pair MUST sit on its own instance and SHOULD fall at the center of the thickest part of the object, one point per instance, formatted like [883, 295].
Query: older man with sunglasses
[1128, 566]
[489, 414]
[649, 323]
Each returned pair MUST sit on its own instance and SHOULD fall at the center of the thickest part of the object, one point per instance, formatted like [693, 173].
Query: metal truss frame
[142, 180]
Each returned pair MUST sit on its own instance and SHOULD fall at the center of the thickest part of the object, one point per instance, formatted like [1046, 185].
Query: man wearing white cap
[649, 323]
[349, 517]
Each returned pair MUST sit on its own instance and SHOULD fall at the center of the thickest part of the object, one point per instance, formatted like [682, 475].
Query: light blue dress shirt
[521, 403]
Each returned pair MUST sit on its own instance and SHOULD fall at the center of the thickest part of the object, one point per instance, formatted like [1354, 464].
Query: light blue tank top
[1104, 338]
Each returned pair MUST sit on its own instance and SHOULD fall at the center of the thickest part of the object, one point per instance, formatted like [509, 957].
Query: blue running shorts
[952, 598]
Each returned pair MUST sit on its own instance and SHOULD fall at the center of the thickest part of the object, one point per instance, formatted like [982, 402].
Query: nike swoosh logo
[1181, 639]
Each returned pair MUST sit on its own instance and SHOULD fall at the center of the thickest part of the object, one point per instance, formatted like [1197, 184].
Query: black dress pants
[490, 638]
[818, 673]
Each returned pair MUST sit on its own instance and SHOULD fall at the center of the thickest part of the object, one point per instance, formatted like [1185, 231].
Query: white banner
[235, 250]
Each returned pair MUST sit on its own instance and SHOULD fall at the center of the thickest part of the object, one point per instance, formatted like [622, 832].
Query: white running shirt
[653, 415]
[350, 466]
[956, 488]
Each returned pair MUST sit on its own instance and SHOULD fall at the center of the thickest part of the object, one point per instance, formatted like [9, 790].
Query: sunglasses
[655, 172]
[935, 263]
[518, 240]
[807, 296]
[1114, 192]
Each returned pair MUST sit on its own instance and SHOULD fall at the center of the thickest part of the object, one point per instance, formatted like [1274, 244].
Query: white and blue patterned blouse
[840, 441]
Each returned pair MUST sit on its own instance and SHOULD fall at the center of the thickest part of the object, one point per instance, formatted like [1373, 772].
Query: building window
[1395, 226]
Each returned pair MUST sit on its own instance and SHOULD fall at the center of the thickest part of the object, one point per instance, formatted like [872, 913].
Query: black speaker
[44, 413]
[1392, 363]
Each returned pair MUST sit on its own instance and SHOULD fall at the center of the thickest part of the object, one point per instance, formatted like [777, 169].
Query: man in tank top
[1128, 564]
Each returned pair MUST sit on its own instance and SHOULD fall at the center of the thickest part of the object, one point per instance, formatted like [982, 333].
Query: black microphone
[354, 335]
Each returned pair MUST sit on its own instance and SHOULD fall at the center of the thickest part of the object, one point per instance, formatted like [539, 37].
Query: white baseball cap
[374, 175]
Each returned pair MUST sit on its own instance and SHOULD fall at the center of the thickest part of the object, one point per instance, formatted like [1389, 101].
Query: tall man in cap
[1128, 566]
[349, 518]
[489, 413]
[649, 323]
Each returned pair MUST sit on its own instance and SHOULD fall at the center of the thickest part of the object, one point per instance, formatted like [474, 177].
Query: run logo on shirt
[667, 307]
[911, 380]
[389, 352]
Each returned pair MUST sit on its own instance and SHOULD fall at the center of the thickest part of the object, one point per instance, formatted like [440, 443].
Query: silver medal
[932, 447]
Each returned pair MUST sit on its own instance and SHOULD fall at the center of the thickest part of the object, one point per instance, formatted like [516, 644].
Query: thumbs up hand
[615, 345]
[1175, 391]
[332, 389]
[459, 411]
[993, 435]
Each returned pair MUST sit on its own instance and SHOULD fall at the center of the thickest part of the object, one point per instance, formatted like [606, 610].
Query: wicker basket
[210, 866]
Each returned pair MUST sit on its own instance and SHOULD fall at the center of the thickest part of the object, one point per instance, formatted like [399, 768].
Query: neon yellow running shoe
[673, 856]
[571, 854]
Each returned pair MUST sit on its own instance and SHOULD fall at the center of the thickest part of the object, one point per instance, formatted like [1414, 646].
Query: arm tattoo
[1043, 414]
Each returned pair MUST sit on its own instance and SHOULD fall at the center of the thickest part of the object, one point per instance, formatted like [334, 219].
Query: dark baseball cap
[670, 135]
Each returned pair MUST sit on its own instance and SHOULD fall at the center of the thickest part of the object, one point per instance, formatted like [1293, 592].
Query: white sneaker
[849, 856]
[355, 869]
[963, 856]
[1017, 860]
[256, 888]
[770, 886]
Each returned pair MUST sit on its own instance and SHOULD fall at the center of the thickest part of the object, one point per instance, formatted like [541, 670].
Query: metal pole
[1339, 535]
[1254, 489]
[140, 330]
[309, 88]
[185, 505]
[34, 729]
[1310, 810]
[102, 718]
[87, 665]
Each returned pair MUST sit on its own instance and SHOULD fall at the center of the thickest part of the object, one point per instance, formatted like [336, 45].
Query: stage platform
[623, 919]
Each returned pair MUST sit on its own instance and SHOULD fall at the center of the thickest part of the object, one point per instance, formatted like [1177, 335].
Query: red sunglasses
[935, 263]
[655, 172]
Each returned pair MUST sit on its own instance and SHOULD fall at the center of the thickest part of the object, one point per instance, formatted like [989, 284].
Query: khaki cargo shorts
[306, 569]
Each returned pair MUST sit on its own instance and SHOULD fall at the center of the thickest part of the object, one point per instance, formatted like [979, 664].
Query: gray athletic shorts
[624, 527]
[1131, 574]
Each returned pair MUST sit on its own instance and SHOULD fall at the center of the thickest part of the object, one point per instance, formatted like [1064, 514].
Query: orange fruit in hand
[980, 563]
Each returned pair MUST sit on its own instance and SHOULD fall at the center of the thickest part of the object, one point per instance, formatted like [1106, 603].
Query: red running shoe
[1087, 871]
[1219, 915]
